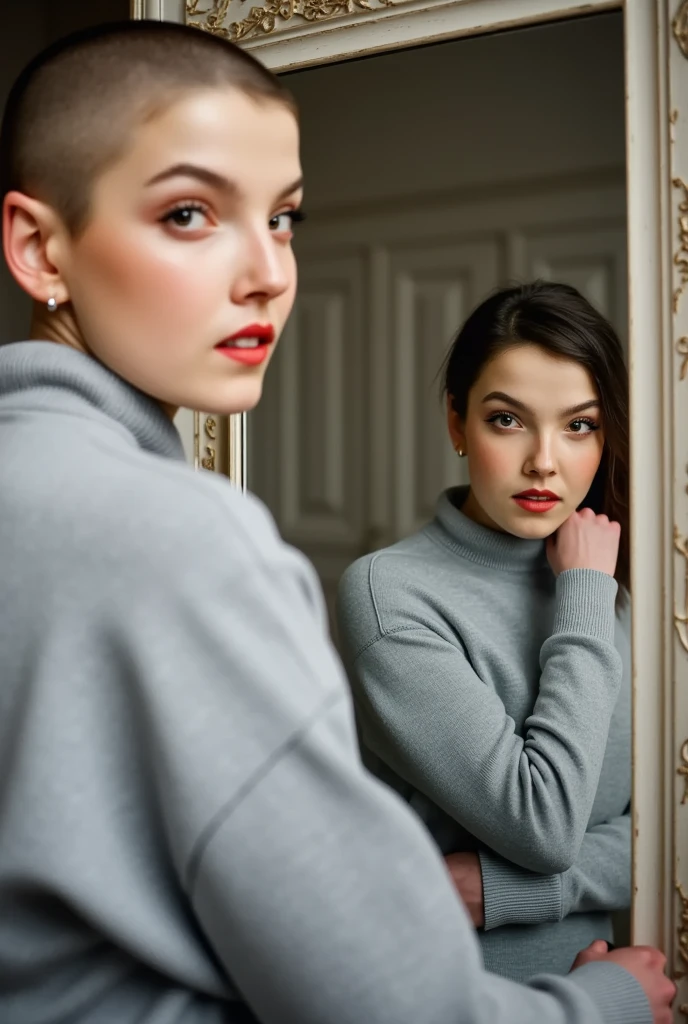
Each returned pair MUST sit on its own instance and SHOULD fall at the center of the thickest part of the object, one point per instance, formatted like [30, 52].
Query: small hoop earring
[52, 304]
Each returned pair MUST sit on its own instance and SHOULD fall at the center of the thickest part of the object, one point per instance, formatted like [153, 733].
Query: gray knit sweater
[496, 701]
[187, 833]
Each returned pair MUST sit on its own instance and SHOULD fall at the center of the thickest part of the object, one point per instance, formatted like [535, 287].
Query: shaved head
[75, 108]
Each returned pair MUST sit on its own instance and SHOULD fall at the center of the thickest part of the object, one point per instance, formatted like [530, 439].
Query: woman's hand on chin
[584, 541]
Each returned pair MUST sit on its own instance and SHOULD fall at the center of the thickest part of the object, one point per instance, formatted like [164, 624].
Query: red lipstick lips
[250, 345]
[533, 500]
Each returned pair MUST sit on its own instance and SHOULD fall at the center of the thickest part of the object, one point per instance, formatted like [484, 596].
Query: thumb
[596, 949]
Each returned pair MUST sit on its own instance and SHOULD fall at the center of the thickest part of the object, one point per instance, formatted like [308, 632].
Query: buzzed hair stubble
[75, 108]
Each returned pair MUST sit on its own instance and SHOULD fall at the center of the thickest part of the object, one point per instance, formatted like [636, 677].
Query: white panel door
[433, 288]
[592, 259]
[306, 452]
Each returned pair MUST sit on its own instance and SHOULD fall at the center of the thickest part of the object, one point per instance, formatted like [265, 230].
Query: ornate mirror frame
[291, 34]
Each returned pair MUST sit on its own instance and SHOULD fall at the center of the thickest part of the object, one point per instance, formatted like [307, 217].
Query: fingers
[595, 951]
[653, 957]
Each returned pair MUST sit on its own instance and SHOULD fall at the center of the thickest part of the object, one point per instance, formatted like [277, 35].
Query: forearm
[599, 881]
[428, 716]
[348, 913]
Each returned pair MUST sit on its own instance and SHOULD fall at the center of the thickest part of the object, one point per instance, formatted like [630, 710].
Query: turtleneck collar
[480, 544]
[48, 369]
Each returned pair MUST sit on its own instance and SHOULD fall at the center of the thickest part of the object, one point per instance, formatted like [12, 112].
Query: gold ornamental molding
[210, 431]
[681, 619]
[682, 770]
[683, 928]
[679, 27]
[264, 19]
[681, 254]
[682, 349]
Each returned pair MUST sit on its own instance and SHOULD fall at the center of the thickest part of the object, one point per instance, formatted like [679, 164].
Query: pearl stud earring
[52, 304]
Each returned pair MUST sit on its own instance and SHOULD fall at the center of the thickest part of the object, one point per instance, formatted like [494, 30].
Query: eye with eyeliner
[181, 208]
[502, 414]
[293, 216]
[591, 424]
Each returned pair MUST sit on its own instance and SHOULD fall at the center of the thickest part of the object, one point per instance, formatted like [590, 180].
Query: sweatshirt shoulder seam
[384, 633]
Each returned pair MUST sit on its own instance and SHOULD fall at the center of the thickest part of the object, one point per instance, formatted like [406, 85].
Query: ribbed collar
[77, 381]
[478, 543]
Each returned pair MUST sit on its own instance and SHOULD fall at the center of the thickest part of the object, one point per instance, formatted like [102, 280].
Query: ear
[455, 425]
[33, 241]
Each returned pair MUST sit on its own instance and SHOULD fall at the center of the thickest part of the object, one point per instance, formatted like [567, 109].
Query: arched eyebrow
[501, 396]
[211, 178]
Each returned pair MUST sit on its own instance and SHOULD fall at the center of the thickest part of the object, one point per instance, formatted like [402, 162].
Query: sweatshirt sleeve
[600, 880]
[319, 893]
[426, 714]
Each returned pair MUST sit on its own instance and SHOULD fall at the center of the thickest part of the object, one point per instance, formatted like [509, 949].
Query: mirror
[451, 171]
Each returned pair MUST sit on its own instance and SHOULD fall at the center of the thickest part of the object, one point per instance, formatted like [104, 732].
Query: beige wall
[493, 109]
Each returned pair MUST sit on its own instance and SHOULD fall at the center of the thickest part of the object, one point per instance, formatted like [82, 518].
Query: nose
[541, 459]
[266, 268]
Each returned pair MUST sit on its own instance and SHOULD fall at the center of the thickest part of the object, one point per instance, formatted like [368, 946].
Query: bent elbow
[552, 862]
[551, 854]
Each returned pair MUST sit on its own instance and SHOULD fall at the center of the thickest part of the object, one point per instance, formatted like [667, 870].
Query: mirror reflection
[444, 434]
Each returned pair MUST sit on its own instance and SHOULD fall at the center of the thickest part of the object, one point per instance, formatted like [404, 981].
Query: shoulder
[198, 524]
[103, 506]
[386, 591]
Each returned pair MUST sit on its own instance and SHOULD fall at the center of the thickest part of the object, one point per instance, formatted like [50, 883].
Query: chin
[237, 397]
[535, 527]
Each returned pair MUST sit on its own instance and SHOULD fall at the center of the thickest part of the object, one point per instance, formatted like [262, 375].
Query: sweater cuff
[585, 604]
[513, 895]
[615, 992]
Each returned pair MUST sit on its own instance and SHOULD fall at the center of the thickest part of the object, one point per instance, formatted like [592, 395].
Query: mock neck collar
[480, 544]
[63, 375]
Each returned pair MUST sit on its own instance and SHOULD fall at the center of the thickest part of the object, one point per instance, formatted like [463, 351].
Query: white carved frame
[291, 34]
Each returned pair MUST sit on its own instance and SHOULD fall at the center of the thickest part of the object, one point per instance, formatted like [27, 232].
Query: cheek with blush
[583, 467]
[162, 295]
[491, 461]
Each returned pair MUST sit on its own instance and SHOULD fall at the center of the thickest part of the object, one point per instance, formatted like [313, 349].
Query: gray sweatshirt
[497, 702]
[187, 833]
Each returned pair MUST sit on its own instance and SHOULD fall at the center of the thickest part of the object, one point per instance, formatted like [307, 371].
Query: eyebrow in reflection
[501, 396]
[212, 178]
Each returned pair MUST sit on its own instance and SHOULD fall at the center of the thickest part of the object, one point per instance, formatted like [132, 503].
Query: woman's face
[184, 276]
[533, 436]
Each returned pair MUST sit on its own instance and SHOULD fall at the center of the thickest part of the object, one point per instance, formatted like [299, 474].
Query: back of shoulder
[96, 498]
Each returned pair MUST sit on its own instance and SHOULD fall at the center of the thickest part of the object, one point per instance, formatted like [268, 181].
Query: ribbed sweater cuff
[585, 604]
[616, 993]
[512, 895]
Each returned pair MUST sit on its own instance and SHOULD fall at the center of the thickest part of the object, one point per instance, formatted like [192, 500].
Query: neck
[480, 543]
[61, 328]
[472, 510]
